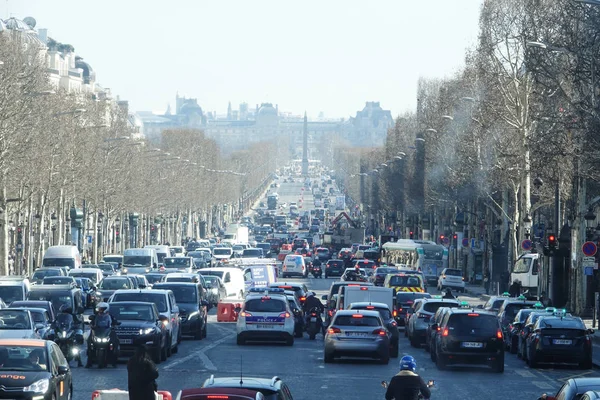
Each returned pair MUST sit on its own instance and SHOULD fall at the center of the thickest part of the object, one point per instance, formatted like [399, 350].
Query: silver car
[357, 333]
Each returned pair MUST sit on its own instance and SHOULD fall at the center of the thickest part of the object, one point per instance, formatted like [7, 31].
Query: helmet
[408, 363]
[104, 307]
[66, 309]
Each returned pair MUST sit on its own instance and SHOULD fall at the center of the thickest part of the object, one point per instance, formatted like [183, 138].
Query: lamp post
[589, 217]
[527, 222]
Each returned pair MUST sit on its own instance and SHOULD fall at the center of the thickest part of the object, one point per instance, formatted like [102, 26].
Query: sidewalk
[475, 290]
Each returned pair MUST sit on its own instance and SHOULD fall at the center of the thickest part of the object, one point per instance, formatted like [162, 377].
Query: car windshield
[523, 315]
[453, 272]
[211, 279]
[183, 294]
[23, 358]
[11, 293]
[265, 304]
[115, 284]
[176, 262]
[154, 278]
[157, 298]
[42, 273]
[58, 280]
[522, 266]
[253, 252]
[222, 251]
[91, 274]
[14, 319]
[473, 323]
[59, 262]
[117, 260]
[106, 267]
[137, 260]
[58, 298]
[433, 306]
[405, 281]
[559, 323]
[403, 298]
[38, 317]
[350, 320]
[384, 312]
[132, 312]
[511, 310]
[180, 279]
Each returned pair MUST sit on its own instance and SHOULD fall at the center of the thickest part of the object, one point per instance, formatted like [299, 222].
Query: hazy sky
[313, 55]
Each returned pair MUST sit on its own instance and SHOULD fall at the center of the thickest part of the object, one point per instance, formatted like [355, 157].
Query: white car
[266, 316]
[17, 323]
[451, 278]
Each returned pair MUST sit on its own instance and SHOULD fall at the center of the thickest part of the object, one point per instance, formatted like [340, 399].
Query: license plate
[562, 341]
[472, 345]
[264, 326]
[313, 319]
[356, 334]
[126, 341]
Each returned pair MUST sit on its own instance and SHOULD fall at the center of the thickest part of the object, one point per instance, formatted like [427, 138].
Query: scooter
[317, 272]
[314, 323]
[431, 383]
[67, 338]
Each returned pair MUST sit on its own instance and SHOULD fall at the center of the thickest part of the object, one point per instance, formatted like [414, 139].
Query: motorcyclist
[406, 385]
[101, 310]
[313, 302]
[67, 310]
[448, 294]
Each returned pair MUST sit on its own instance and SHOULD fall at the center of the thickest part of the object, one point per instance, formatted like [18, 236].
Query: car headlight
[146, 331]
[101, 340]
[64, 334]
[193, 314]
[40, 386]
[98, 293]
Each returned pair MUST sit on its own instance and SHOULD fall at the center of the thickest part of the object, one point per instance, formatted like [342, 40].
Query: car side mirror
[62, 369]
[39, 326]
[175, 309]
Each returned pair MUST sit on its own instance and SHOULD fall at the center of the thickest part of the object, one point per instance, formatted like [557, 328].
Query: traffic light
[442, 238]
[76, 215]
[455, 240]
[133, 219]
[117, 236]
[552, 242]
[412, 234]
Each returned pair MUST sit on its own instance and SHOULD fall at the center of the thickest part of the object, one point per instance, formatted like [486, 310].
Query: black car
[388, 320]
[300, 289]
[511, 333]
[469, 336]
[404, 305]
[193, 304]
[58, 295]
[527, 328]
[46, 305]
[266, 248]
[509, 309]
[110, 284]
[431, 333]
[141, 323]
[335, 267]
[155, 277]
[560, 338]
[379, 275]
[191, 246]
[39, 366]
[418, 323]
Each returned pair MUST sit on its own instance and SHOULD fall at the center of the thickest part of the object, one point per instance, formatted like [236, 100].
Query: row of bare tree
[496, 144]
[59, 149]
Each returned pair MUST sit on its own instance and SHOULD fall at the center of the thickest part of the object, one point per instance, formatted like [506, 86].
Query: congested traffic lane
[302, 368]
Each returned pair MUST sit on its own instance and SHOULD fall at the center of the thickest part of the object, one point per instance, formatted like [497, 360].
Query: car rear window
[384, 312]
[265, 305]
[405, 281]
[404, 298]
[433, 306]
[337, 263]
[348, 320]
[157, 298]
[561, 323]
[473, 323]
[454, 272]
[511, 310]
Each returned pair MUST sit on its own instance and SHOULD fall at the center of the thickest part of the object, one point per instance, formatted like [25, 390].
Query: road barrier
[226, 310]
[118, 394]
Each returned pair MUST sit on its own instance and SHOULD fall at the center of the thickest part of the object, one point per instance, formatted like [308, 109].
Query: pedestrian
[142, 374]
[515, 289]
[486, 283]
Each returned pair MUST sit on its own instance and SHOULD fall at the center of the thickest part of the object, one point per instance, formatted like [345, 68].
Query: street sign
[446, 240]
[473, 243]
[526, 244]
[89, 239]
[465, 242]
[589, 249]
[589, 271]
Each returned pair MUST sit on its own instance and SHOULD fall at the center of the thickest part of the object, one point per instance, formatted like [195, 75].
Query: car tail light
[370, 307]
[394, 323]
[380, 332]
[333, 330]
[357, 316]
[245, 314]
[284, 315]
[330, 312]
[410, 302]
[314, 314]
[364, 288]
[499, 334]
[445, 332]
[395, 313]
[302, 298]
[217, 396]
[473, 315]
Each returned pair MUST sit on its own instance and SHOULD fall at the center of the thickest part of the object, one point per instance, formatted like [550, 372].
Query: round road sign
[446, 240]
[526, 244]
[465, 242]
[589, 249]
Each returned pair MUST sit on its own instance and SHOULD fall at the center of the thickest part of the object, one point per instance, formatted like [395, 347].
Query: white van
[162, 251]
[222, 253]
[293, 265]
[13, 288]
[95, 274]
[62, 256]
[233, 279]
[139, 261]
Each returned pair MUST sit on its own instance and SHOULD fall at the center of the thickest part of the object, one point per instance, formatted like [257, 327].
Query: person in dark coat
[515, 289]
[142, 374]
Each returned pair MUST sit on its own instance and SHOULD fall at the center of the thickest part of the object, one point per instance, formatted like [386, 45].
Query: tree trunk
[3, 230]
[505, 211]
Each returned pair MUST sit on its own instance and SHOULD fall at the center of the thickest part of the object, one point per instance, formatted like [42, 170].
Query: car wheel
[413, 342]
[328, 358]
[513, 346]
[198, 334]
[240, 341]
[499, 365]
[440, 362]
[169, 348]
[289, 341]
[532, 361]
[587, 364]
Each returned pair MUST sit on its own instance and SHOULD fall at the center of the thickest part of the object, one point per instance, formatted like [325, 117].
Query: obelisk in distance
[305, 147]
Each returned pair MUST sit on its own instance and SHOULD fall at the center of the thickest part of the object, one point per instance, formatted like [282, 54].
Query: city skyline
[328, 58]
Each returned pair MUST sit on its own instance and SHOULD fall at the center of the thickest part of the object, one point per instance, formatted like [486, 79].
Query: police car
[265, 315]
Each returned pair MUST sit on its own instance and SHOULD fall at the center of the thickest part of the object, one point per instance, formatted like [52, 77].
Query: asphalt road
[302, 368]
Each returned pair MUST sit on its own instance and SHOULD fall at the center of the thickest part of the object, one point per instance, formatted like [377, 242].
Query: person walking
[141, 375]
[486, 283]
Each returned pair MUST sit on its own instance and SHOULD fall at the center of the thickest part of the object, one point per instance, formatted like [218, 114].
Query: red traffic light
[411, 232]
[552, 238]
[442, 237]
[455, 237]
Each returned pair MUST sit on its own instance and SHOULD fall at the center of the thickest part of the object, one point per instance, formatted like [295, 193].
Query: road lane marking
[201, 354]
[524, 373]
[581, 375]
[542, 385]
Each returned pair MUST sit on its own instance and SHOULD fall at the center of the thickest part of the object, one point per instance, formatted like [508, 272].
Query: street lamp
[589, 217]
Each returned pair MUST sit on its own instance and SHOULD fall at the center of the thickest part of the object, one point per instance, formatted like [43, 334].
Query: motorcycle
[101, 344]
[67, 338]
[431, 383]
[317, 272]
[314, 323]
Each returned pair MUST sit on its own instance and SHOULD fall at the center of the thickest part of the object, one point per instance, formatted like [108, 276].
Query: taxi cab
[34, 369]
[404, 283]
[265, 315]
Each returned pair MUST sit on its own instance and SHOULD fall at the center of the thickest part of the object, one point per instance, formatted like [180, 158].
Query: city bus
[425, 256]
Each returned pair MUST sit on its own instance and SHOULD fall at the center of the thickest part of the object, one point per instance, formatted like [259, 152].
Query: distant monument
[305, 148]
